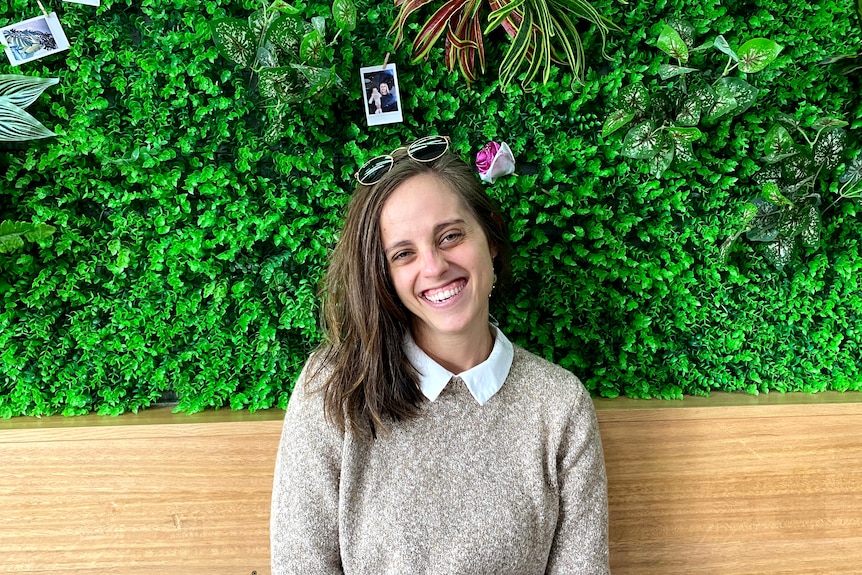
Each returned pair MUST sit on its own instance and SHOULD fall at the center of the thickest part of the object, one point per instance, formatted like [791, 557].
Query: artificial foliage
[187, 251]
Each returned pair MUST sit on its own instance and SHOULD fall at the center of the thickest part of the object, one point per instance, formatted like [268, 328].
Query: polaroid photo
[381, 96]
[87, 2]
[33, 39]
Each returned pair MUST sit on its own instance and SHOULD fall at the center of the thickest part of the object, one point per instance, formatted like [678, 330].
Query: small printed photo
[33, 39]
[382, 98]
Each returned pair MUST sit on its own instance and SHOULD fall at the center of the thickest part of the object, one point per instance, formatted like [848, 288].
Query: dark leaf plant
[289, 56]
[847, 64]
[543, 32]
[668, 117]
[787, 214]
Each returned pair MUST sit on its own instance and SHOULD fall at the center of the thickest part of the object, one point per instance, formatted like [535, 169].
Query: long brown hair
[364, 323]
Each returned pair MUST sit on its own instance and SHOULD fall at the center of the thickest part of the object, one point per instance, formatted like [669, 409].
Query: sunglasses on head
[425, 149]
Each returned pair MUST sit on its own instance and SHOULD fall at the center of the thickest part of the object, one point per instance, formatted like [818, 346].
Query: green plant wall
[187, 251]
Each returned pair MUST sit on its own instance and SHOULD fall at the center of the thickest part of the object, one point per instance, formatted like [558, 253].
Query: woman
[418, 439]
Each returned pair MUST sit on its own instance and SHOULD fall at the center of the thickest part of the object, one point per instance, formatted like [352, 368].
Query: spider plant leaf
[777, 144]
[668, 71]
[572, 45]
[344, 14]
[407, 7]
[641, 142]
[757, 54]
[434, 27]
[516, 53]
[234, 40]
[17, 125]
[723, 46]
[672, 44]
[23, 90]
[496, 17]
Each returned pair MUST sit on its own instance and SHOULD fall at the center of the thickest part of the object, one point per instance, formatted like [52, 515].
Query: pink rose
[494, 160]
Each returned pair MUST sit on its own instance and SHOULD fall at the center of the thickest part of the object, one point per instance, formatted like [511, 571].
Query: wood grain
[728, 485]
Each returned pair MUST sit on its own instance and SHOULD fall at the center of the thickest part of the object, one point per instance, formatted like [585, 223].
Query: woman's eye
[400, 256]
[451, 237]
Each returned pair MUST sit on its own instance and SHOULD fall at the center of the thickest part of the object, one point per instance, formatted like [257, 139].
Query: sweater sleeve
[304, 516]
[580, 543]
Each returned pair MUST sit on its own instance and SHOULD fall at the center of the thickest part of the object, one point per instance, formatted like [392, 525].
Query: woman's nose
[434, 263]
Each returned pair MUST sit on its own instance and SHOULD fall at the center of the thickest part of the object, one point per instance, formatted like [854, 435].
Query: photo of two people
[380, 87]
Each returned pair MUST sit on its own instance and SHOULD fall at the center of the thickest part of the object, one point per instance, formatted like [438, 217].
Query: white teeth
[443, 295]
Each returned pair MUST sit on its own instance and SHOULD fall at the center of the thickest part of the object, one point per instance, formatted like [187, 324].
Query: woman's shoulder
[544, 380]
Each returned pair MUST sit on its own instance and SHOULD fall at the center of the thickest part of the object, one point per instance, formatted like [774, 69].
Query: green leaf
[641, 142]
[670, 42]
[17, 125]
[772, 194]
[757, 54]
[667, 71]
[685, 134]
[779, 253]
[634, 97]
[284, 84]
[684, 29]
[344, 14]
[22, 90]
[683, 153]
[722, 45]
[810, 234]
[319, 23]
[234, 40]
[662, 160]
[260, 21]
[311, 48]
[616, 120]
[777, 144]
[287, 33]
[689, 111]
[733, 95]
[829, 149]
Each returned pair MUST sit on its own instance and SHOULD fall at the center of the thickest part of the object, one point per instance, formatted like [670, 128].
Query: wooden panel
[728, 485]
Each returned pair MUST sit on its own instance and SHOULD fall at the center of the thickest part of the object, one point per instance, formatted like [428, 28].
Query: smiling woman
[418, 438]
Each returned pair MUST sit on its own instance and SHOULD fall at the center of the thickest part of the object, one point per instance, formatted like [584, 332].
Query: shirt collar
[483, 380]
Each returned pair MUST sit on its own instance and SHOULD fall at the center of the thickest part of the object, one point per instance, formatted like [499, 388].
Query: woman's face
[438, 258]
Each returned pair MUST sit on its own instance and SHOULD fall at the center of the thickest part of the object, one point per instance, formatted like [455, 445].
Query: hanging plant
[16, 93]
[542, 32]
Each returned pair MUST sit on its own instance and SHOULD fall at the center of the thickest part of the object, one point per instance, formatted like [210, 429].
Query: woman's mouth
[441, 295]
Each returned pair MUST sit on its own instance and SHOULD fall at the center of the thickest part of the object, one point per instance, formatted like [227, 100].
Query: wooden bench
[721, 486]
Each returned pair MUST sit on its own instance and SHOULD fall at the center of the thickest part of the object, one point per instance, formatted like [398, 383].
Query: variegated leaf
[23, 90]
[311, 48]
[259, 22]
[772, 194]
[344, 14]
[641, 142]
[685, 134]
[17, 125]
[829, 149]
[235, 40]
[689, 111]
[672, 44]
[685, 30]
[777, 144]
[616, 120]
[662, 160]
[284, 84]
[319, 23]
[287, 33]
[810, 235]
[683, 153]
[757, 54]
[742, 92]
[723, 46]
[853, 173]
[779, 253]
[634, 97]
[668, 71]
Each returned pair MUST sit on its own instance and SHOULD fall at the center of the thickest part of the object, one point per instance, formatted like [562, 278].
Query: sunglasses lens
[374, 169]
[428, 149]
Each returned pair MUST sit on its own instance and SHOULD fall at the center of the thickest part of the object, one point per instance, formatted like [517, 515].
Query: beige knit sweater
[514, 487]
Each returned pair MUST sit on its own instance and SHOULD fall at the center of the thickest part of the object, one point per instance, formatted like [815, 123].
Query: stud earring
[493, 285]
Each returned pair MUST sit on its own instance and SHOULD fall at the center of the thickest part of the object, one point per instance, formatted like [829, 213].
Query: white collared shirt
[483, 380]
